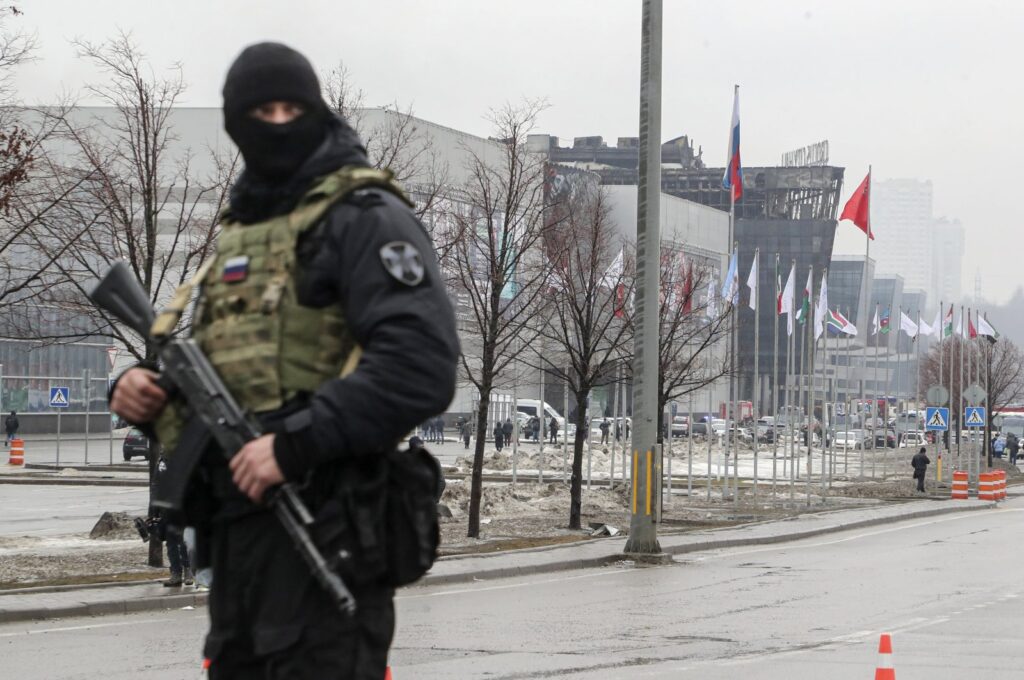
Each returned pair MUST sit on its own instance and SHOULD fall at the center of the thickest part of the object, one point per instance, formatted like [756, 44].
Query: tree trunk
[576, 482]
[476, 486]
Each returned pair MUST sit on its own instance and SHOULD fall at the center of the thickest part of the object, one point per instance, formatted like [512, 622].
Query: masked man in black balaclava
[324, 313]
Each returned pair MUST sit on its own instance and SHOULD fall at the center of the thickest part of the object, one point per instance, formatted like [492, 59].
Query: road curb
[198, 599]
[70, 481]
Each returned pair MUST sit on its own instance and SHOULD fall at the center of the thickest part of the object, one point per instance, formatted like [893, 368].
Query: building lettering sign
[813, 155]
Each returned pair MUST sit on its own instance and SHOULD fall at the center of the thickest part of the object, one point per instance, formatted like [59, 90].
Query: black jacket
[407, 333]
[920, 463]
[11, 423]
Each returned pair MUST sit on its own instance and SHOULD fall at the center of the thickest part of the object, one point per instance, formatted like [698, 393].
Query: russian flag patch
[235, 269]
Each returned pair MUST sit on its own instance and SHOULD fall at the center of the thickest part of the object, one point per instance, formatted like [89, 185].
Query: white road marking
[91, 626]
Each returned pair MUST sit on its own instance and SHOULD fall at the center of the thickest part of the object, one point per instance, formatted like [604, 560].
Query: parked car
[885, 439]
[718, 426]
[135, 444]
[698, 429]
[739, 434]
[851, 439]
[679, 426]
[913, 440]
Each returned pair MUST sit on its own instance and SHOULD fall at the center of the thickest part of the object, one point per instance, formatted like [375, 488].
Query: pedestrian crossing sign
[974, 416]
[936, 418]
[59, 397]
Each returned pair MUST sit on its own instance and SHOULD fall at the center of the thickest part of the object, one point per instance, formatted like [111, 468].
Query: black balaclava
[267, 72]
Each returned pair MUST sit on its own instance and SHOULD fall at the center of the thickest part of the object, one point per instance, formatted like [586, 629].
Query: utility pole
[643, 532]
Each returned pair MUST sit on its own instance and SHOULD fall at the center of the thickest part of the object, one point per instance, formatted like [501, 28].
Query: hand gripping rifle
[212, 408]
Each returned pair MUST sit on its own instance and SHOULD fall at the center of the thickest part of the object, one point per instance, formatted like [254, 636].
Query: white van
[531, 407]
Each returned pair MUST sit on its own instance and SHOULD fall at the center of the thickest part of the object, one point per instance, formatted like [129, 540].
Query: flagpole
[960, 398]
[775, 384]
[735, 381]
[874, 400]
[952, 407]
[942, 376]
[791, 360]
[807, 380]
[988, 397]
[755, 397]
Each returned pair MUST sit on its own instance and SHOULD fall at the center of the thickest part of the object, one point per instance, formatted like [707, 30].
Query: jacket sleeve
[407, 334]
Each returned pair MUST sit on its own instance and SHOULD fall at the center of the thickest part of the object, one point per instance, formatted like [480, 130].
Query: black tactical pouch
[379, 526]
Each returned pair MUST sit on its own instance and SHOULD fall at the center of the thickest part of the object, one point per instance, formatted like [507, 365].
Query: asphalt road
[42, 510]
[946, 588]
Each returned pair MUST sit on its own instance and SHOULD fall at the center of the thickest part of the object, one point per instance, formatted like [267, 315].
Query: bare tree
[498, 263]
[586, 319]
[399, 143]
[122, 189]
[1000, 365]
[691, 329]
[119, 187]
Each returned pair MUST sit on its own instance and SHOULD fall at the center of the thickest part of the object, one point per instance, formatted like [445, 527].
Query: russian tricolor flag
[733, 177]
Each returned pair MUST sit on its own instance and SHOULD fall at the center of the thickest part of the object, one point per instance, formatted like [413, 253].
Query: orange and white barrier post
[959, 490]
[986, 484]
[1000, 485]
[17, 452]
[885, 669]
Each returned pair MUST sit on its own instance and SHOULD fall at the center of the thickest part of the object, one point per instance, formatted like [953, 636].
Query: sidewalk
[49, 603]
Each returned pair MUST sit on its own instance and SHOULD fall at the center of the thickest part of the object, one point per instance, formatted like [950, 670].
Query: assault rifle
[214, 415]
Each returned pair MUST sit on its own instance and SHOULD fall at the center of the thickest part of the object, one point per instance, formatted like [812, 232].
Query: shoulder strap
[169, 316]
[336, 187]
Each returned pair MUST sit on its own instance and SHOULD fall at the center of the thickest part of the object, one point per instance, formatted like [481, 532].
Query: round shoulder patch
[403, 262]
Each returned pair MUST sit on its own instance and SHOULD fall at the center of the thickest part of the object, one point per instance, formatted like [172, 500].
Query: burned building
[789, 211]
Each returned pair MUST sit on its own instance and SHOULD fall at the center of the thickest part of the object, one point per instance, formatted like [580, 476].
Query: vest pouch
[349, 527]
[413, 534]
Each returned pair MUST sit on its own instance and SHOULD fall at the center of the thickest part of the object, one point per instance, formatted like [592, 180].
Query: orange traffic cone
[885, 670]
[387, 673]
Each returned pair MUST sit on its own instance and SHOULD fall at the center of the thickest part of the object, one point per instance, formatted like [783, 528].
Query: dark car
[698, 430]
[135, 444]
[885, 439]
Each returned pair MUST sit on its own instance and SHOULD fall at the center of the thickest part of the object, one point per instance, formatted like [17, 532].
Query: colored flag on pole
[688, 290]
[858, 208]
[752, 283]
[960, 326]
[840, 324]
[821, 311]
[907, 325]
[972, 332]
[778, 286]
[786, 301]
[733, 177]
[987, 330]
[731, 287]
[805, 305]
[947, 324]
[875, 326]
[883, 324]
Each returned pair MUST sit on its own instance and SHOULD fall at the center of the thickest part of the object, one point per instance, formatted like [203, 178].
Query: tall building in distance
[910, 241]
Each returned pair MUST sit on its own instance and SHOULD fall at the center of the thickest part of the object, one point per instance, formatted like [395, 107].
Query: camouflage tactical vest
[265, 345]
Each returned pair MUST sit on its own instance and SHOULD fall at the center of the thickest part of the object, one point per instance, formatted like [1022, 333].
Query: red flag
[620, 301]
[688, 290]
[856, 208]
[972, 332]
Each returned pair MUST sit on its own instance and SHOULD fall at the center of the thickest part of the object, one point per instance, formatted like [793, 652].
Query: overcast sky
[919, 88]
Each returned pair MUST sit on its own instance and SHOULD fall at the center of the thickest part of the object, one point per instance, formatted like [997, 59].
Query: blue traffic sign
[60, 397]
[936, 418]
[974, 416]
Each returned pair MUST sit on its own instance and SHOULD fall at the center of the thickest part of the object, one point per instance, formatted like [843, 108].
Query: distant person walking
[11, 427]
[1014, 445]
[498, 436]
[553, 431]
[605, 425]
[465, 434]
[920, 463]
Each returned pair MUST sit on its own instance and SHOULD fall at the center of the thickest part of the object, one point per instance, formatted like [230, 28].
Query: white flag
[712, 308]
[986, 329]
[821, 311]
[787, 300]
[752, 283]
[613, 276]
[874, 323]
[907, 325]
[924, 329]
[960, 325]
[731, 287]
